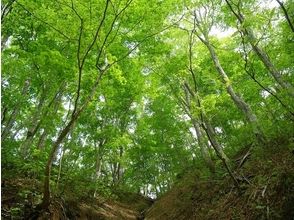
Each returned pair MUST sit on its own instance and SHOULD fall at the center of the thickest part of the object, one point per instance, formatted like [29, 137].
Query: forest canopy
[127, 94]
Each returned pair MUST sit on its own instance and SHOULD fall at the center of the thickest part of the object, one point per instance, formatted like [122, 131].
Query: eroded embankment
[267, 192]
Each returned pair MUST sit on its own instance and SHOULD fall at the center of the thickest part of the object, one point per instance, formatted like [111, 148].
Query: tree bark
[55, 146]
[12, 118]
[98, 163]
[211, 135]
[34, 127]
[204, 148]
[219, 152]
[60, 168]
[261, 53]
[37, 120]
[186, 105]
[269, 65]
[238, 100]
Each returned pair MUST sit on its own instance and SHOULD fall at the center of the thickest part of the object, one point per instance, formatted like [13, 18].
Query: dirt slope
[267, 192]
[21, 196]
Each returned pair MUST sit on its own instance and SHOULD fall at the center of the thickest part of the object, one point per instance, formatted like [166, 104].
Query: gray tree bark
[237, 99]
[247, 31]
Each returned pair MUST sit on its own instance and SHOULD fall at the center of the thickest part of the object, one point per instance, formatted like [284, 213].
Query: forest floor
[266, 192]
[21, 196]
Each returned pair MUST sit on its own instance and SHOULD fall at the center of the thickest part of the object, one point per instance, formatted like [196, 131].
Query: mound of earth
[267, 192]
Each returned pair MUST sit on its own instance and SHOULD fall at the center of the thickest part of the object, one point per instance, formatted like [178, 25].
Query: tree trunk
[37, 119]
[119, 167]
[12, 118]
[98, 163]
[212, 139]
[286, 15]
[56, 100]
[204, 148]
[186, 105]
[218, 149]
[269, 65]
[60, 168]
[3, 114]
[211, 135]
[41, 141]
[260, 52]
[239, 102]
[55, 146]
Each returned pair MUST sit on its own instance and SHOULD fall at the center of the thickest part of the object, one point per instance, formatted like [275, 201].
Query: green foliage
[135, 130]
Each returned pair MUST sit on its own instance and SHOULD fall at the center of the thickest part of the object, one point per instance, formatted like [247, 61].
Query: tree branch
[286, 15]
[43, 21]
[252, 76]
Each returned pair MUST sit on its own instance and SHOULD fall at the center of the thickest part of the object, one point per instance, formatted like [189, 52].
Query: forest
[147, 109]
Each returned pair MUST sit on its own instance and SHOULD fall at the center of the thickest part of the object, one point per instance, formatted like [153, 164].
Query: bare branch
[252, 76]
[110, 30]
[80, 62]
[43, 21]
[143, 40]
[6, 9]
[286, 15]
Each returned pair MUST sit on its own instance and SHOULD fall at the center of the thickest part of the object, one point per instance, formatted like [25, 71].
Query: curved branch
[252, 76]
[286, 15]
[45, 22]
[6, 9]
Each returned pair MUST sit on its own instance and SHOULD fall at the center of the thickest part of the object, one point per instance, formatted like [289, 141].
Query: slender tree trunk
[37, 119]
[12, 118]
[214, 142]
[238, 100]
[113, 172]
[186, 105]
[119, 167]
[55, 146]
[6, 9]
[60, 168]
[3, 114]
[218, 149]
[212, 137]
[261, 53]
[268, 64]
[98, 163]
[56, 101]
[32, 130]
[205, 121]
[41, 141]
[204, 148]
